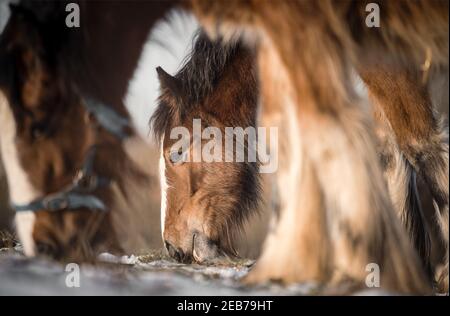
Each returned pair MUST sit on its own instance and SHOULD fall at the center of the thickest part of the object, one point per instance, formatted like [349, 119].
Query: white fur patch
[164, 187]
[24, 225]
[167, 45]
[21, 190]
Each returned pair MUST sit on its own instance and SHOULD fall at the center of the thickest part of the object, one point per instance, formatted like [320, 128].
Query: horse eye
[38, 131]
[177, 157]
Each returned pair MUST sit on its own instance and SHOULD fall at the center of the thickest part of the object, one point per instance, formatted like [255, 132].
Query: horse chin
[207, 252]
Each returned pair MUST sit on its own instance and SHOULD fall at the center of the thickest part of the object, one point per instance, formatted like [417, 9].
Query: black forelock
[203, 67]
[198, 76]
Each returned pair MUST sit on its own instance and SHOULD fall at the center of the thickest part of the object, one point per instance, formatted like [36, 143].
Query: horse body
[337, 145]
[58, 143]
[416, 145]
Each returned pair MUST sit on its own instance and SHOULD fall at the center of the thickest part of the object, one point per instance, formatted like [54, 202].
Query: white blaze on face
[164, 187]
[21, 190]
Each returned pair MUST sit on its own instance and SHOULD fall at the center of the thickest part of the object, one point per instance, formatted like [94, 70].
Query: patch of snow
[127, 275]
[167, 46]
[107, 257]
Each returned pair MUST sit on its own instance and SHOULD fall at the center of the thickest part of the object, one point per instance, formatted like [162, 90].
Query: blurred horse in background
[68, 147]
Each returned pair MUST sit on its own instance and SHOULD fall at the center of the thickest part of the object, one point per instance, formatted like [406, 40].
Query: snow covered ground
[153, 274]
[129, 276]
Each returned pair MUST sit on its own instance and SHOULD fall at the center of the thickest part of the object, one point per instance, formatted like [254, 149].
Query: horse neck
[134, 199]
[110, 43]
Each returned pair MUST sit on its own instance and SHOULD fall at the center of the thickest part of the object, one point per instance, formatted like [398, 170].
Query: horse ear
[22, 11]
[14, 8]
[169, 82]
[26, 54]
[40, 11]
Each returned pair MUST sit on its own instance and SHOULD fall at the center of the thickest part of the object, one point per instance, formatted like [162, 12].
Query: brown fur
[217, 85]
[405, 102]
[325, 112]
[54, 133]
[335, 131]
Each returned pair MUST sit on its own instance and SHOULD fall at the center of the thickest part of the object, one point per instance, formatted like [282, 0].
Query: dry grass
[7, 240]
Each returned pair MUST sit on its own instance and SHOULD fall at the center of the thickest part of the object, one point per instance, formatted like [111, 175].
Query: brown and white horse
[73, 177]
[194, 228]
[336, 216]
[205, 203]
[340, 217]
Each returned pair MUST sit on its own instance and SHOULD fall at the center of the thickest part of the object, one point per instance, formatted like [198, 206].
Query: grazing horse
[205, 203]
[202, 90]
[343, 220]
[69, 157]
[336, 216]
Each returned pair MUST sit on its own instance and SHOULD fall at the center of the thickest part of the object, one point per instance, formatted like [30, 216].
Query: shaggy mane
[198, 76]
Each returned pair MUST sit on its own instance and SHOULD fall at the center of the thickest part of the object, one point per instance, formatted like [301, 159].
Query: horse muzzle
[202, 250]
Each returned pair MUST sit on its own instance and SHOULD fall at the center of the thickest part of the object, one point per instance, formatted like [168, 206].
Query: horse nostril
[206, 250]
[173, 251]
